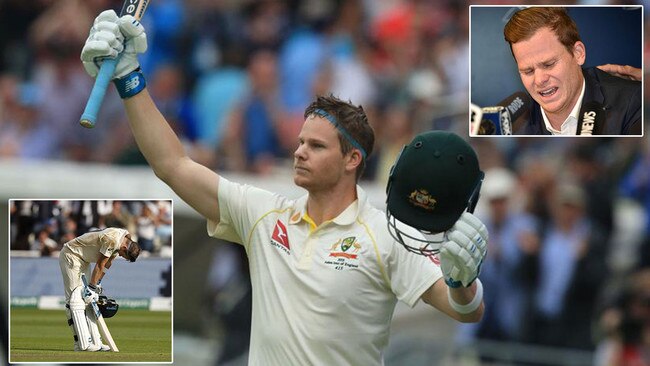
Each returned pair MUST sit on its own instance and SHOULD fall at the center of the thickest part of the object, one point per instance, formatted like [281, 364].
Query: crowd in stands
[569, 219]
[568, 238]
[45, 226]
[233, 78]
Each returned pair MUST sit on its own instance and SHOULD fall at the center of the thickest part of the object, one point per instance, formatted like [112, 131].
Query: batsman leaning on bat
[100, 247]
[326, 270]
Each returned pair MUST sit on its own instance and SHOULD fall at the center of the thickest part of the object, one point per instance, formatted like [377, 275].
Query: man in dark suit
[567, 99]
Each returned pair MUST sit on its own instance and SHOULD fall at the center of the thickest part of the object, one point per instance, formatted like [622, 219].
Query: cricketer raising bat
[135, 8]
[101, 323]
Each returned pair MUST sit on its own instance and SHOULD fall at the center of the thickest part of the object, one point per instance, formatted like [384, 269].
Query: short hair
[525, 23]
[132, 250]
[352, 119]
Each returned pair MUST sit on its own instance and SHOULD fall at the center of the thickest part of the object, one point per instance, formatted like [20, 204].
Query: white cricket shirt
[321, 295]
[88, 246]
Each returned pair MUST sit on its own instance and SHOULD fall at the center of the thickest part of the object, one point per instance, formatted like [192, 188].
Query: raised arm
[460, 295]
[194, 183]
[438, 296]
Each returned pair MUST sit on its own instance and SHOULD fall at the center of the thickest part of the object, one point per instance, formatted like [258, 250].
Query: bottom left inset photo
[90, 281]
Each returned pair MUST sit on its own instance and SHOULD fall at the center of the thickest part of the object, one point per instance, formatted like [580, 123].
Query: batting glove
[462, 254]
[97, 288]
[111, 36]
[90, 295]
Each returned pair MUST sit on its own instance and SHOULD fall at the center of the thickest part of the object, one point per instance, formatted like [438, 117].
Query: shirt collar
[570, 125]
[347, 217]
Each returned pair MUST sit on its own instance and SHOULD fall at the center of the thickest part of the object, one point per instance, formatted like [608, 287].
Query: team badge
[344, 254]
[347, 243]
[422, 198]
[344, 245]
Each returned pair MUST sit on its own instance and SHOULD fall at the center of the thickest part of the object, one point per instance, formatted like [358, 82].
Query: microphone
[498, 120]
[475, 118]
[590, 120]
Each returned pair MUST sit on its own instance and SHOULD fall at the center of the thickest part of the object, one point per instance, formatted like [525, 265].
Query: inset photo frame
[556, 71]
[90, 281]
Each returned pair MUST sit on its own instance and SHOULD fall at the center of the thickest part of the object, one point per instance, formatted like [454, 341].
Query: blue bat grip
[89, 116]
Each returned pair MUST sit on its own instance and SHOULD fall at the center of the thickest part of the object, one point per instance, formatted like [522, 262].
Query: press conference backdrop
[612, 35]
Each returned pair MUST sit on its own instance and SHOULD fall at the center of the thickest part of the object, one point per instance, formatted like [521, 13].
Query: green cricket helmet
[434, 179]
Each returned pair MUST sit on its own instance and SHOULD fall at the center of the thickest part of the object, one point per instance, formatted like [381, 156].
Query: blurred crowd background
[568, 264]
[43, 227]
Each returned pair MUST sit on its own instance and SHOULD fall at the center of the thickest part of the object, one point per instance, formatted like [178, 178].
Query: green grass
[44, 336]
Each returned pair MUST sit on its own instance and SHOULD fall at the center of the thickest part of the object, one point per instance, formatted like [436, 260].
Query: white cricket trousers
[72, 266]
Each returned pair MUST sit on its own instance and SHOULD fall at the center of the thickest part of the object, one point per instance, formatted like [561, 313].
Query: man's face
[550, 73]
[318, 161]
[123, 248]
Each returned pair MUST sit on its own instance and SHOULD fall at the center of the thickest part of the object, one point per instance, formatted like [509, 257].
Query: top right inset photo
[556, 71]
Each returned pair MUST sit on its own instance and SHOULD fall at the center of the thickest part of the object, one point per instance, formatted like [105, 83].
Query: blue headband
[342, 130]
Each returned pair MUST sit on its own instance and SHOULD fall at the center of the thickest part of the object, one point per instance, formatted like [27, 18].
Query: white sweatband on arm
[472, 305]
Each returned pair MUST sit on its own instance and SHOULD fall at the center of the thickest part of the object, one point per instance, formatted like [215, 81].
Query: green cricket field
[44, 336]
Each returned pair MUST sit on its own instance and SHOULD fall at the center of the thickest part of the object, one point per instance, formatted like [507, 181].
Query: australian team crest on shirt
[344, 253]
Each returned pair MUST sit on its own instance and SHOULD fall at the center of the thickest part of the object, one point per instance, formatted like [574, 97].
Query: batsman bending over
[326, 270]
[99, 247]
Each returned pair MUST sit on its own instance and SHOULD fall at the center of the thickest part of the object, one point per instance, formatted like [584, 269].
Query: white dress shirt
[570, 125]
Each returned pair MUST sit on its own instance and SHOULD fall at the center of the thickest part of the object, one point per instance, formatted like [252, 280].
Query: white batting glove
[110, 36]
[97, 288]
[90, 296]
[461, 255]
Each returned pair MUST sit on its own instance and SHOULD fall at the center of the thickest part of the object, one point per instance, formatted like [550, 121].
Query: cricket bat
[135, 8]
[101, 323]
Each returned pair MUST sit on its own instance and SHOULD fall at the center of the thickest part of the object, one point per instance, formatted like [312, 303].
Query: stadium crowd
[44, 226]
[569, 219]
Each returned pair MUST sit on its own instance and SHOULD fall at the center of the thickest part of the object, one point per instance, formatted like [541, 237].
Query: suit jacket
[620, 99]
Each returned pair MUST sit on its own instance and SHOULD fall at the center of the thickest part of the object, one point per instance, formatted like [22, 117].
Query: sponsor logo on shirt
[344, 254]
[280, 237]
